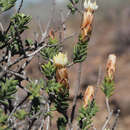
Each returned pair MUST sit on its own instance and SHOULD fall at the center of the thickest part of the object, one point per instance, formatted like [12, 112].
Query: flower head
[88, 96]
[90, 5]
[111, 66]
[60, 59]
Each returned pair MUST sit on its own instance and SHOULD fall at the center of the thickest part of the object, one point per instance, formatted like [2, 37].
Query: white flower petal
[60, 59]
[88, 4]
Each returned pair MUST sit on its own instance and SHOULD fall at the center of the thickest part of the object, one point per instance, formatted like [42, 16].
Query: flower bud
[111, 66]
[86, 26]
[62, 77]
[51, 34]
[88, 96]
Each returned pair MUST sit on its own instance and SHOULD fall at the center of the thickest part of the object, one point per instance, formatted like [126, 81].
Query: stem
[42, 124]
[107, 104]
[20, 6]
[15, 108]
[116, 119]
[75, 96]
[98, 81]
[48, 118]
[107, 121]
[2, 28]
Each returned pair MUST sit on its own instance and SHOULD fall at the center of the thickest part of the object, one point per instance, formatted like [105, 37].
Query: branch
[98, 81]
[107, 121]
[9, 57]
[6, 31]
[42, 124]
[15, 108]
[75, 96]
[48, 117]
[116, 119]
[2, 28]
[44, 35]
[20, 6]
[107, 104]
[18, 75]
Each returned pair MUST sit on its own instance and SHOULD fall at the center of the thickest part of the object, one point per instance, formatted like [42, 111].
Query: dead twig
[116, 120]
[20, 6]
[107, 104]
[75, 96]
[2, 28]
[98, 81]
[15, 108]
[48, 117]
[108, 119]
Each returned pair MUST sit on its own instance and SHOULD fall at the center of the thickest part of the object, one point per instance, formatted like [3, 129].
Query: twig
[94, 128]
[70, 36]
[53, 9]
[35, 52]
[18, 75]
[107, 104]
[107, 121]
[40, 26]
[116, 120]
[48, 117]
[75, 96]
[42, 123]
[66, 17]
[44, 35]
[62, 20]
[98, 81]
[20, 6]
[9, 57]
[61, 30]
[69, 65]
[3, 70]
[16, 125]
[41, 126]
[15, 108]
[2, 28]
[71, 1]
[74, 5]
[6, 31]
[28, 55]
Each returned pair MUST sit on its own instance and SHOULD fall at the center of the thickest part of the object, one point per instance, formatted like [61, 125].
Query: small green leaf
[53, 41]
[108, 87]
[86, 114]
[6, 4]
[7, 89]
[49, 70]
[20, 114]
[76, 1]
[80, 52]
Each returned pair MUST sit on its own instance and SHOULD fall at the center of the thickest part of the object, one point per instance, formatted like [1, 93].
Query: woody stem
[76, 95]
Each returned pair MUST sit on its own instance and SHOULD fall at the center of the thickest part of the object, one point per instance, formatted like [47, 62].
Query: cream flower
[89, 5]
[60, 59]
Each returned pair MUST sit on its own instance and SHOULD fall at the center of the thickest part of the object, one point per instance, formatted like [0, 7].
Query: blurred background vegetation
[111, 34]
